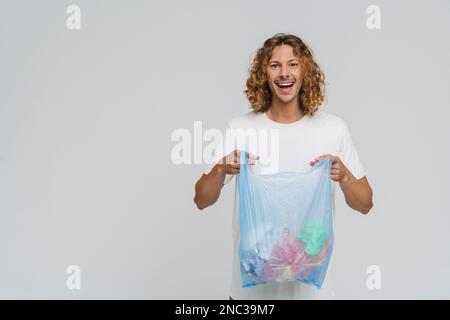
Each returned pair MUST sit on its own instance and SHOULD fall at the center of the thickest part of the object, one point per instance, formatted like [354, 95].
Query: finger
[335, 172]
[235, 165]
[253, 157]
[322, 157]
[336, 166]
[318, 158]
[334, 177]
[235, 155]
[229, 161]
[233, 171]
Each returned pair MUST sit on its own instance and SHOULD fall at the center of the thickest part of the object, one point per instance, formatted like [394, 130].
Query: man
[285, 89]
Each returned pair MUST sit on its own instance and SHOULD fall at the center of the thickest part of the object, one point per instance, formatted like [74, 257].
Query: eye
[294, 64]
[273, 66]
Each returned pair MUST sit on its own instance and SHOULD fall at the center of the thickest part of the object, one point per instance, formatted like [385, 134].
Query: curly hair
[312, 92]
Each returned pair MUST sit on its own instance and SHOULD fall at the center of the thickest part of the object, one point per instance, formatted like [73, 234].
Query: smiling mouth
[284, 85]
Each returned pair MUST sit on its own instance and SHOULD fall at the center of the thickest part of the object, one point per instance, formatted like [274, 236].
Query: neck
[285, 112]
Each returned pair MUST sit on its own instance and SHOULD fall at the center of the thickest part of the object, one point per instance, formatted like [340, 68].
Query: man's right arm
[208, 187]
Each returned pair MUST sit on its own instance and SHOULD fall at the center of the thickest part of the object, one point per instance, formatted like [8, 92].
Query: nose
[284, 71]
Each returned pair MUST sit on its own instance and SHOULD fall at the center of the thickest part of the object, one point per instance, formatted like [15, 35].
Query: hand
[230, 163]
[339, 171]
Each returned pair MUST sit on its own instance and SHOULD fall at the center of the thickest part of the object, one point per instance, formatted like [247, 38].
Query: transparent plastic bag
[286, 227]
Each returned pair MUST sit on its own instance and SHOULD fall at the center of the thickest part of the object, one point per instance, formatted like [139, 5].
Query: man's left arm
[358, 193]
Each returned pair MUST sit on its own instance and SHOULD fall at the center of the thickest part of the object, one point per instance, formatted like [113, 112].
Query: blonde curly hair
[312, 92]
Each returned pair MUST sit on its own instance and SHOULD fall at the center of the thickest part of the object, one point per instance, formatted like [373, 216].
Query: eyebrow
[279, 61]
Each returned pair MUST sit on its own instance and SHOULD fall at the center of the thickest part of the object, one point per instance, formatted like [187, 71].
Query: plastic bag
[286, 228]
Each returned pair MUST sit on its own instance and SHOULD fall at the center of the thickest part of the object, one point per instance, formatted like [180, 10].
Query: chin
[285, 99]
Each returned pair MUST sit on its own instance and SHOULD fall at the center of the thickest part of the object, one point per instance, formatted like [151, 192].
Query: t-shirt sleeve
[220, 148]
[349, 155]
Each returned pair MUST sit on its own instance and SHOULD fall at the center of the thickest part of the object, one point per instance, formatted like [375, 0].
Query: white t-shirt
[286, 147]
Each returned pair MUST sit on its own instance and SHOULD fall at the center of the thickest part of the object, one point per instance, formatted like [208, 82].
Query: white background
[86, 116]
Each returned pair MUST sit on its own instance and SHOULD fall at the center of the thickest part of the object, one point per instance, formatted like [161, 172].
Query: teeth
[285, 84]
[282, 84]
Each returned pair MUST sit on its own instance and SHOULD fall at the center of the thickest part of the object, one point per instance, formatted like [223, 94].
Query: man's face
[284, 74]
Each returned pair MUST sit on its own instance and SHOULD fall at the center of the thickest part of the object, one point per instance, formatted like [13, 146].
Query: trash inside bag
[286, 228]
